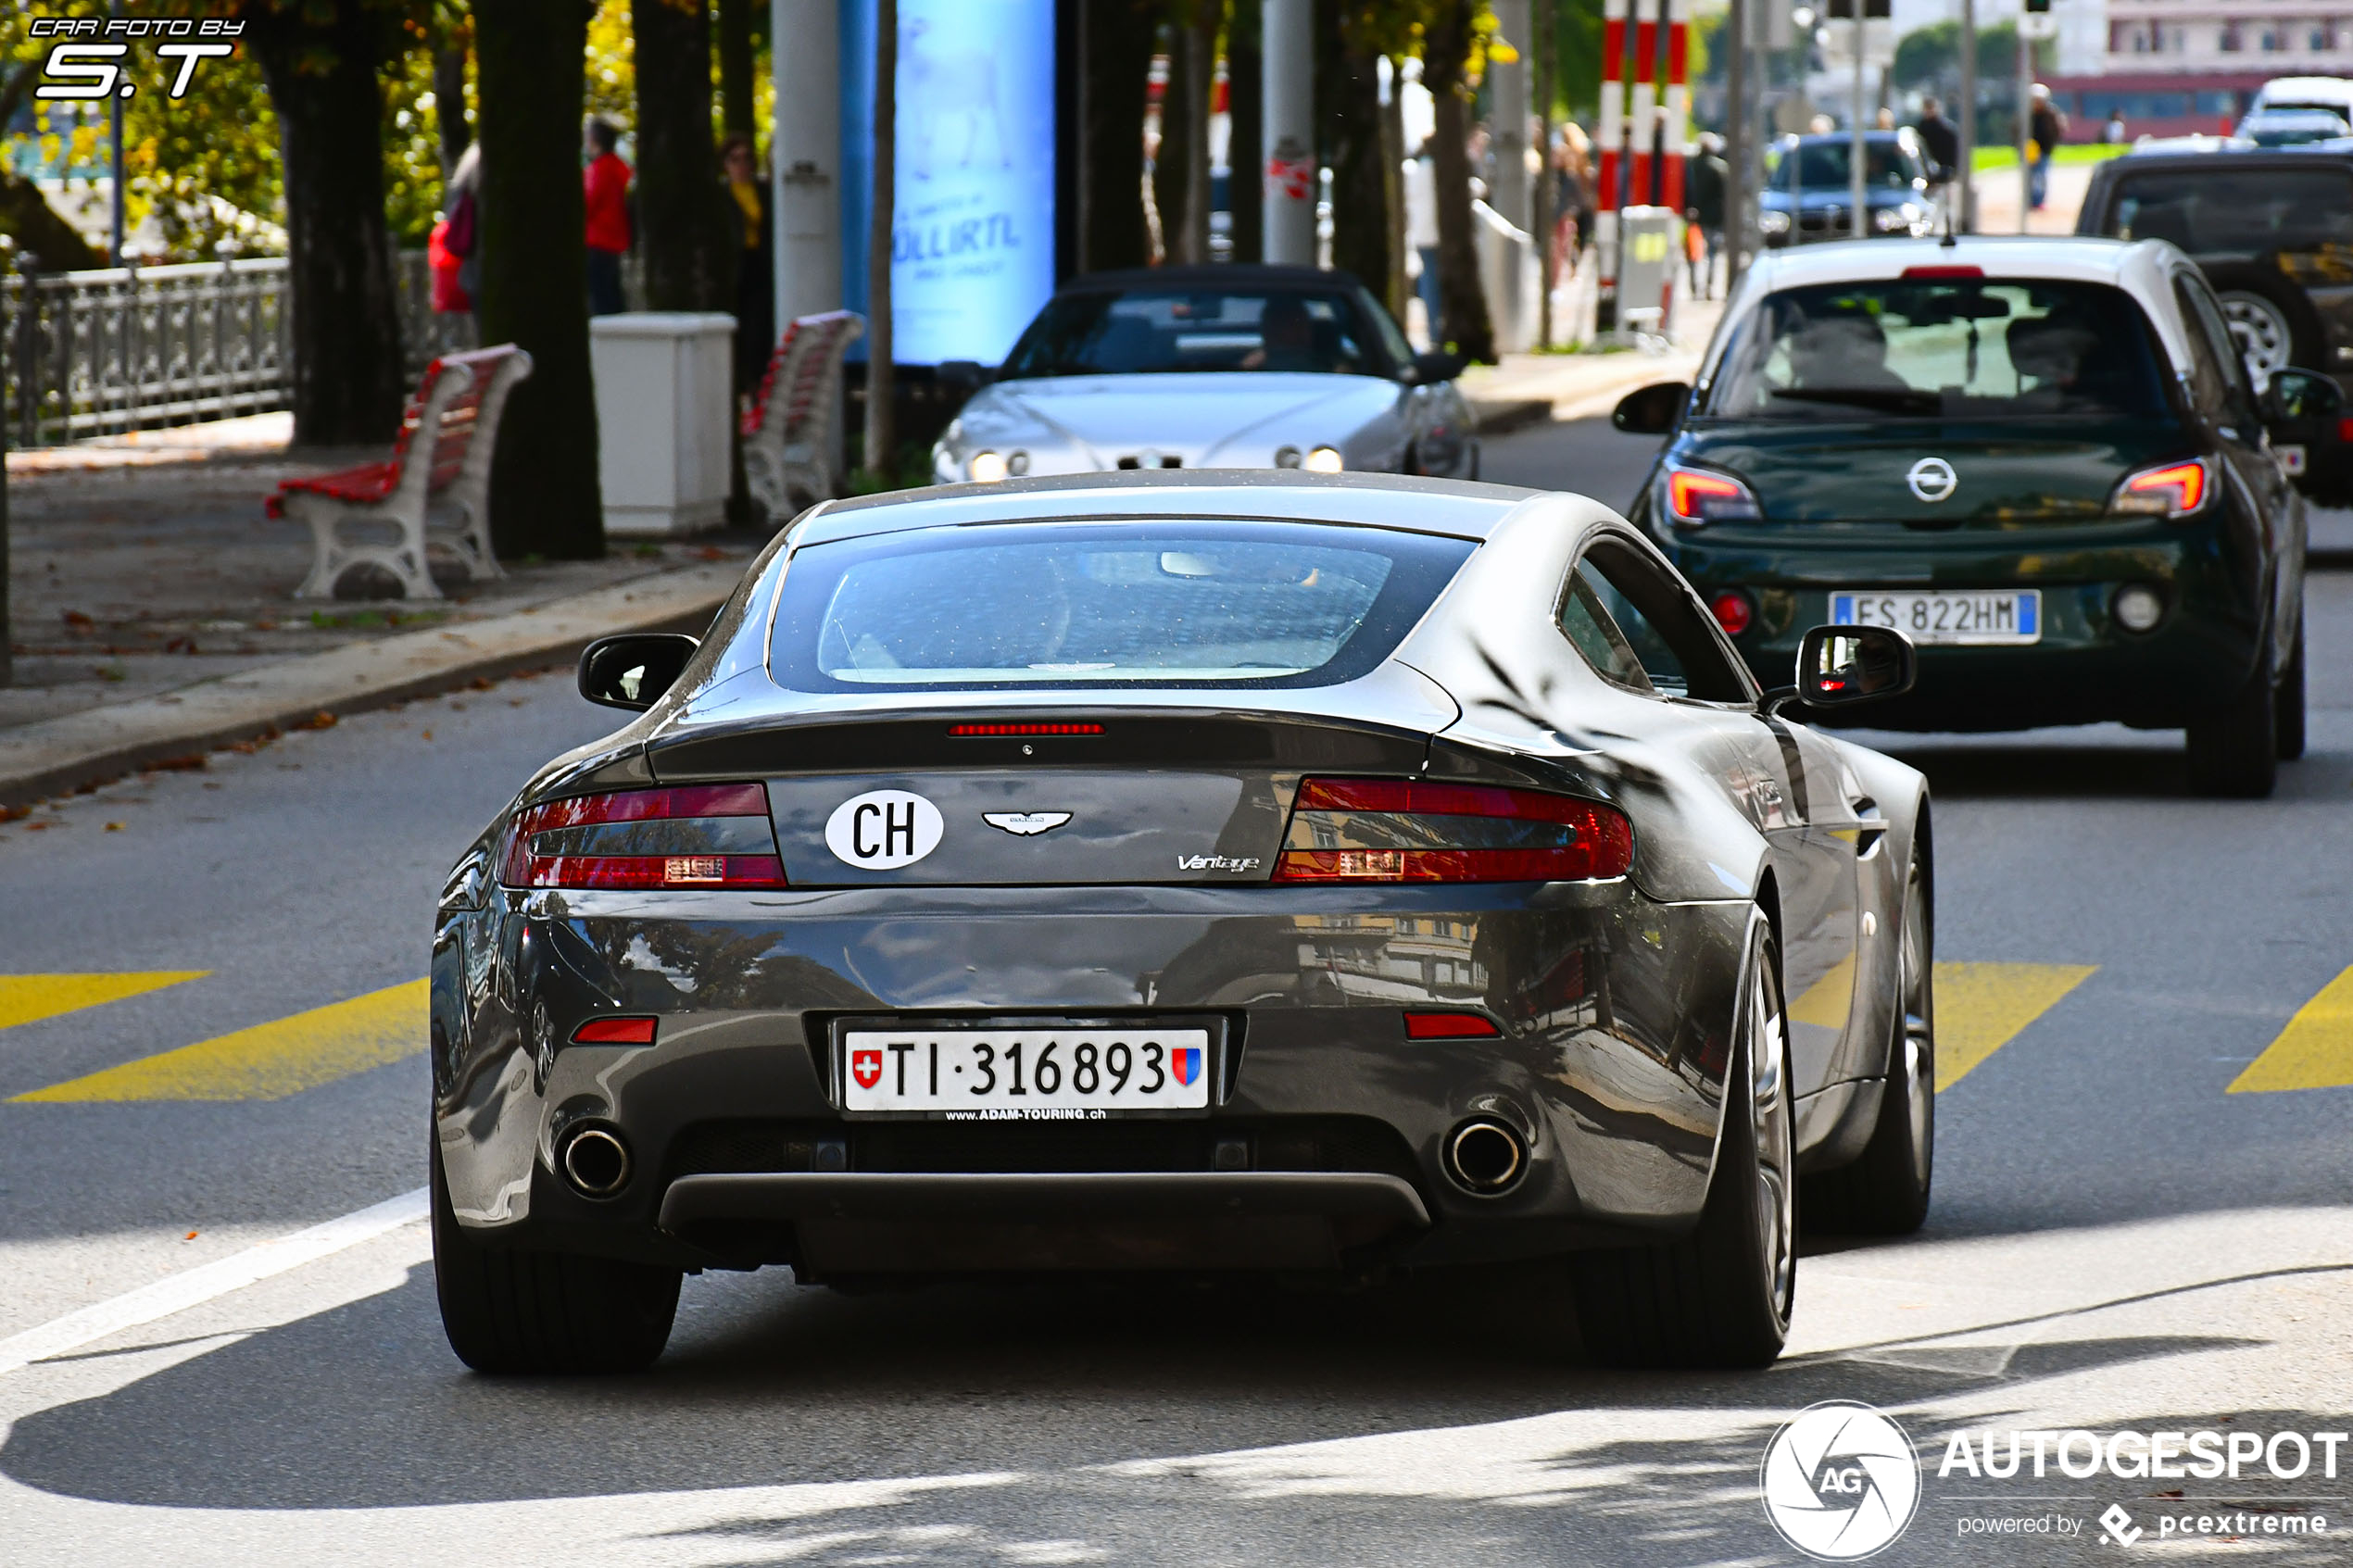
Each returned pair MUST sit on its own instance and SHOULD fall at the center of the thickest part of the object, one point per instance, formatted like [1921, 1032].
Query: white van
[2331, 93]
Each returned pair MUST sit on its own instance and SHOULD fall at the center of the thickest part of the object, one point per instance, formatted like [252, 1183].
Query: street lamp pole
[1967, 174]
[1288, 136]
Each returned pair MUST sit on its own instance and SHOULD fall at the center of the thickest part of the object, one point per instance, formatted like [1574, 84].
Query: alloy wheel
[1769, 1111]
[2261, 328]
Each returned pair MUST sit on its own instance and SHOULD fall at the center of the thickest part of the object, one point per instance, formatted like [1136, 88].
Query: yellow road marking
[1828, 1000]
[26, 998]
[2315, 1051]
[1982, 1007]
[269, 1060]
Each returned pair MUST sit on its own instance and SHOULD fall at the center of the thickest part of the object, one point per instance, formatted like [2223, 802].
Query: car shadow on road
[1128, 1417]
[2121, 765]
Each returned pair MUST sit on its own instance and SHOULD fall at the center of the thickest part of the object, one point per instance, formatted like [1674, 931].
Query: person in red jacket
[605, 187]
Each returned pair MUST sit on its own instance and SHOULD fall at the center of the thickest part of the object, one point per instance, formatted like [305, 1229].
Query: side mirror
[1428, 370]
[1651, 411]
[2294, 396]
[1840, 666]
[962, 375]
[631, 672]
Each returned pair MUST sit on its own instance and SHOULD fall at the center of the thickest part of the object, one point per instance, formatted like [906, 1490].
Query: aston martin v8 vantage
[1212, 874]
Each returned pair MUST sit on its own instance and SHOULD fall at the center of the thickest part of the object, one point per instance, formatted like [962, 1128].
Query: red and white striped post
[1612, 137]
[1678, 100]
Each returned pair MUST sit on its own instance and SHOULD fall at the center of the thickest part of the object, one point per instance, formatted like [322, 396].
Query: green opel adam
[2042, 460]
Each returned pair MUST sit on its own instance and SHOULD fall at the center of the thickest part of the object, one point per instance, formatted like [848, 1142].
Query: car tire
[2274, 326]
[512, 1312]
[2235, 749]
[1885, 1191]
[1721, 1295]
[2287, 721]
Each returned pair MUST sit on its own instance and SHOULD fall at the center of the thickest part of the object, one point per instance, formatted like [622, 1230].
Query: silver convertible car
[1206, 873]
[1212, 367]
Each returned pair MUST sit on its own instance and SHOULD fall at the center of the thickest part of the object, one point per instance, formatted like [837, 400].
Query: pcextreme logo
[1840, 1481]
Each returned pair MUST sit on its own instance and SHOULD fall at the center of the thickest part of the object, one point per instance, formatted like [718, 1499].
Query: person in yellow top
[755, 280]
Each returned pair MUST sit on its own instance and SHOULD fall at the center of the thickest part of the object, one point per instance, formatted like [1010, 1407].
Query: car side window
[2218, 373]
[1662, 624]
[1595, 633]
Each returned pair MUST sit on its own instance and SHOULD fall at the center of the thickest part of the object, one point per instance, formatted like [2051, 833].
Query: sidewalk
[1529, 388]
[152, 613]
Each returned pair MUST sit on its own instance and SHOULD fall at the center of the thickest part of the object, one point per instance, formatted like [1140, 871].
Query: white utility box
[664, 399]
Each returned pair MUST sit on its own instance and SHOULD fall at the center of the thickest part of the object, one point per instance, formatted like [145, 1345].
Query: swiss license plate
[1945, 617]
[1025, 1072]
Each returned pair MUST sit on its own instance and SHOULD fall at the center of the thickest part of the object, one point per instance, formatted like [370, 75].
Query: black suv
[2272, 230]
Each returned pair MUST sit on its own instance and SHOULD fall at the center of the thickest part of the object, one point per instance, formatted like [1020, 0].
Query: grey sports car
[1212, 367]
[1202, 873]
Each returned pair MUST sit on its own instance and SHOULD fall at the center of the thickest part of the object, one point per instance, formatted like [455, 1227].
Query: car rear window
[1146, 331]
[1944, 348]
[1086, 603]
[2230, 208]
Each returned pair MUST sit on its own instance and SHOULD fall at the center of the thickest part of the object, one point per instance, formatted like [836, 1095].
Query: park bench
[789, 436]
[378, 513]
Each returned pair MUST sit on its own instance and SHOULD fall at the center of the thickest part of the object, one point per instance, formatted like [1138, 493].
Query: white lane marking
[202, 1283]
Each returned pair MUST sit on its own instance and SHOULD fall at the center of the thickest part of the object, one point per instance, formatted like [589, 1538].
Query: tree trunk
[1547, 214]
[1115, 45]
[1347, 122]
[450, 102]
[544, 498]
[736, 58]
[348, 380]
[1394, 288]
[1172, 168]
[1462, 298]
[1198, 42]
[1245, 153]
[882, 434]
[688, 263]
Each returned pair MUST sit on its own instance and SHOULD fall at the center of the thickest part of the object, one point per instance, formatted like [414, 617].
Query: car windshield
[1943, 349]
[2228, 208]
[1043, 604]
[1095, 332]
[1824, 166]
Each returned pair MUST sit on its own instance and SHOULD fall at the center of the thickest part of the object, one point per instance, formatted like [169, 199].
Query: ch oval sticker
[883, 830]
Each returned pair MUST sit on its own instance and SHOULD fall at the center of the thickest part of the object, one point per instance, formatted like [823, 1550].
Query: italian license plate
[1945, 617]
[1025, 1072]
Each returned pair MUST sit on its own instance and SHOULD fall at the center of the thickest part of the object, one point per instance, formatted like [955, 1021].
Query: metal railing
[122, 348]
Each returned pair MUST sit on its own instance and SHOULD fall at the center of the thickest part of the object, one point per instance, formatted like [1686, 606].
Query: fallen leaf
[322, 720]
[75, 618]
[428, 735]
[114, 827]
[189, 1236]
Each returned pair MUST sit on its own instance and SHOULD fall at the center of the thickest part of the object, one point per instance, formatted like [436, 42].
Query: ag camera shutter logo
[1840, 1481]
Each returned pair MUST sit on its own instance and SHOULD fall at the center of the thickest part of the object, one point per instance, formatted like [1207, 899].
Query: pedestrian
[2046, 128]
[755, 275]
[605, 185]
[453, 251]
[1941, 140]
[1884, 120]
[2113, 132]
[1421, 233]
[1710, 178]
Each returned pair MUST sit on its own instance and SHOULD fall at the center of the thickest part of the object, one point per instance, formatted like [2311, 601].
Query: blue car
[1811, 193]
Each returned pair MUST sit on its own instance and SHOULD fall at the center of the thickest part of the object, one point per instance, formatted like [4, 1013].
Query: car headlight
[987, 467]
[1770, 222]
[1324, 460]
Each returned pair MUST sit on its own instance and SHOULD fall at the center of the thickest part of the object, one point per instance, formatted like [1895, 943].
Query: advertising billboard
[973, 248]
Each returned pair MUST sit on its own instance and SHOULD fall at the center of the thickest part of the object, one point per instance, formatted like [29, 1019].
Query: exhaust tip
[595, 1161]
[1485, 1156]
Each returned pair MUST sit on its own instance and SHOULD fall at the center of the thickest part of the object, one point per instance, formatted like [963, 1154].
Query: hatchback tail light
[1697, 497]
[694, 835]
[2168, 490]
[1403, 830]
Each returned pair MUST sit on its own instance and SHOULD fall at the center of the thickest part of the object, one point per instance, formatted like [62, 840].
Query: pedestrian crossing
[1980, 1008]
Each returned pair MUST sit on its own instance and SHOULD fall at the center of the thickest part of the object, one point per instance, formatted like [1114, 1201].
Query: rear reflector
[1450, 1026]
[1405, 830]
[615, 1032]
[973, 731]
[692, 836]
[1733, 612]
[1931, 274]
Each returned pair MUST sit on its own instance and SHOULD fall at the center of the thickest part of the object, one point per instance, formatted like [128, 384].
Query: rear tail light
[694, 835]
[615, 1032]
[2172, 490]
[1698, 497]
[1401, 829]
[1934, 274]
[1734, 613]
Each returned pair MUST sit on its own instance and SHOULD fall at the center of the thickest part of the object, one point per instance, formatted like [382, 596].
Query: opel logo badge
[1931, 479]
